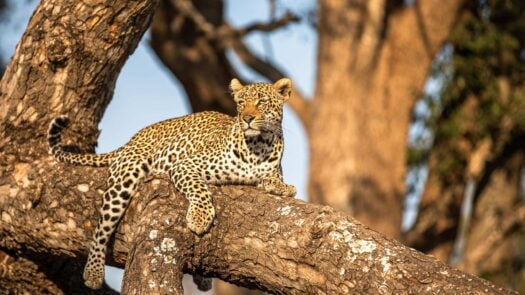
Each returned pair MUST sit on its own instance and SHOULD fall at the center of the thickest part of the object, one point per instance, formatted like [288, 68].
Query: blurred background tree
[374, 130]
[472, 210]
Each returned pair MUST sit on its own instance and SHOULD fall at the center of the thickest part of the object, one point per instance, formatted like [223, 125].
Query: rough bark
[288, 247]
[67, 62]
[373, 59]
[21, 275]
[282, 246]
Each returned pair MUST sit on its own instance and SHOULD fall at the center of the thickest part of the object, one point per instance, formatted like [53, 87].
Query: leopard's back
[201, 131]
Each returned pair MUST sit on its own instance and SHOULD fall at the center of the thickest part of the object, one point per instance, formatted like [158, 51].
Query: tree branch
[67, 61]
[288, 247]
[22, 275]
[282, 246]
[285, 19]
[186, 8]
[223, 33]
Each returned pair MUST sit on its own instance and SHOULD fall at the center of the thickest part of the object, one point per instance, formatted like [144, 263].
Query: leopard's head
[260, 105]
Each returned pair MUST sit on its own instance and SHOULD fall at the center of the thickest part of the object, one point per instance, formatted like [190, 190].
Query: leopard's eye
[262, 100]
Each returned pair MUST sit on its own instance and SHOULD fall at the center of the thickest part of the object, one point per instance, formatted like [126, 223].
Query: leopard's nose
[248, 118]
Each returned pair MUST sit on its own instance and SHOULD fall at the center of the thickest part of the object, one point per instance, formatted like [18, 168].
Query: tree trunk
[482, 107]
[67, 62]
[373, 61]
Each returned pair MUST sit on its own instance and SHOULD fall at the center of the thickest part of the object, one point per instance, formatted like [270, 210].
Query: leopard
[195, 151]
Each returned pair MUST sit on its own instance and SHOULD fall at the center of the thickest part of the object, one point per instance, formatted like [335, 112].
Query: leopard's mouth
[249, 131]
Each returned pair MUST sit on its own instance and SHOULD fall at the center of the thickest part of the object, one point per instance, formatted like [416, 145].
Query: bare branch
[224, 32]
[187, 9]
[286, 19]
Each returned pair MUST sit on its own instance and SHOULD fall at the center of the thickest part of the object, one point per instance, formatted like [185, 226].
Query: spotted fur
[194, 150]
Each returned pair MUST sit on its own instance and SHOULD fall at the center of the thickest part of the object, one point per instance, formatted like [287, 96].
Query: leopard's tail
[56, 148]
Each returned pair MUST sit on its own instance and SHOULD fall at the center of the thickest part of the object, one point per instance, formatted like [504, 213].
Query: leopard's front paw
[289, 191]
[199, 219]
[277, 187]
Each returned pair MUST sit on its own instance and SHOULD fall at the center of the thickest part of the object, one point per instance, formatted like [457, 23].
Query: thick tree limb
[282, 246]
[67, 61]
[18, 272]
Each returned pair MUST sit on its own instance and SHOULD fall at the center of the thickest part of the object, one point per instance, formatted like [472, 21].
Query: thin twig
[224, 31]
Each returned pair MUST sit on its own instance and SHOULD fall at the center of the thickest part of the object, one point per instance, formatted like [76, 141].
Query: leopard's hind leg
[122, 183]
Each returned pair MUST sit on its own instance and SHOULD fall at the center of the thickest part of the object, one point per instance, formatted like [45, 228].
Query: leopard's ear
[283, 87]
[235, 85]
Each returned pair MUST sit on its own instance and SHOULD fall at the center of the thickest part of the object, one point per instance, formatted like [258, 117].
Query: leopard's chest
[232, 162]
[242, 167]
